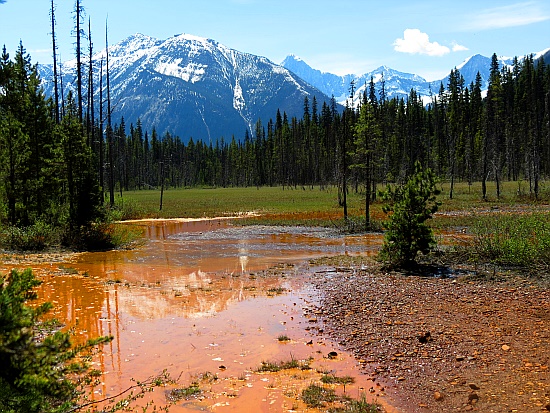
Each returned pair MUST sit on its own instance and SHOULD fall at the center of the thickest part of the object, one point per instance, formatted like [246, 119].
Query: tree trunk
[55, 84]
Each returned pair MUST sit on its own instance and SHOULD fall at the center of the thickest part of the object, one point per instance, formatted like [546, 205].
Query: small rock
[473, 386]
[332, 355]
[505, 347]
[222, 367]
[438, 396]
[547, 407]
[401, 379]
[459, 358]
[424, 337]
[473, 398]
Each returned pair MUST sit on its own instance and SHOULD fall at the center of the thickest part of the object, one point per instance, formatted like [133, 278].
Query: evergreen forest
[62, 165]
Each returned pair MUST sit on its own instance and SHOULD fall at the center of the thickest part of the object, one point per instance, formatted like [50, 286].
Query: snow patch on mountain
[192, 72]
[238, 99]
[540, 54]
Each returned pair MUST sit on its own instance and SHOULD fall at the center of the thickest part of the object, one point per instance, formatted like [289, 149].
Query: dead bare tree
[55, 79]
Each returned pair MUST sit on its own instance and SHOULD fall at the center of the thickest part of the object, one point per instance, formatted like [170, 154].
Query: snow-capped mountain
[191, 86]
[396, 83]
[195, 87]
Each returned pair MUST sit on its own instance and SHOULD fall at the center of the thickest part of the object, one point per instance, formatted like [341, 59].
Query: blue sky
[428, 37]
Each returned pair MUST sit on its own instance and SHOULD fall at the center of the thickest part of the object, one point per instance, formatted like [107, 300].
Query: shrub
[129, 208]
[411, 205]
[36, 237]
[36, 365]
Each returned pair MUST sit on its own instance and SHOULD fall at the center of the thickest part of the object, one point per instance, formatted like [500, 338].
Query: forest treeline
[58, 165]
[463, 134]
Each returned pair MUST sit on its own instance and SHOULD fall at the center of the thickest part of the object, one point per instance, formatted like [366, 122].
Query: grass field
[274, 202]
[298, 203]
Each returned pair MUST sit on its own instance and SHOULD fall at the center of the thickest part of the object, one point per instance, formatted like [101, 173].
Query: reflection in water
[193, 298]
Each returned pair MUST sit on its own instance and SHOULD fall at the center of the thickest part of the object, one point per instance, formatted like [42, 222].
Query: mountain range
[197, 88]
[190, 86]
[397, 84]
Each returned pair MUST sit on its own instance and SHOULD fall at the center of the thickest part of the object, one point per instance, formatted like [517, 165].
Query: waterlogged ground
[209, 302]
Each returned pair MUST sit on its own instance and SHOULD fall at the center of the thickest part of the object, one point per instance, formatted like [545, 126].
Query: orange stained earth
[209, 302]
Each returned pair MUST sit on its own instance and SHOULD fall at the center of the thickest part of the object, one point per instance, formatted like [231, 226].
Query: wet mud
[209, 302]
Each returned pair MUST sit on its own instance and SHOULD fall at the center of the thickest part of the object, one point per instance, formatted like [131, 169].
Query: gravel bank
[444, 344]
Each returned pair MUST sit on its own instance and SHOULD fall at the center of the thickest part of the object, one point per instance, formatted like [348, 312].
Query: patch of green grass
[318, 396]
[207, 377]
[512, 239]
[315, 395]
[305, 206]
[274, 367]
[355, 406]
[194, 389]
[185, 393]
[467, 196]
[333, 379]
[276, 205]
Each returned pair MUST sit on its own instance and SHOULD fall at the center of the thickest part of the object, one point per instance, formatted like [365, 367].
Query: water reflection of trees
[78, 302]
[197, 294]
[92, 306]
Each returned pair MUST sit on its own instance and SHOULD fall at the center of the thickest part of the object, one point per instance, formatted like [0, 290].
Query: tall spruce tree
[82, 186]
[78, 11]
[367, 134]
[494, 126]
[54, 55]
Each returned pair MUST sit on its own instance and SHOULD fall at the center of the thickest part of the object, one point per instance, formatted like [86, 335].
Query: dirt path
[445, 344]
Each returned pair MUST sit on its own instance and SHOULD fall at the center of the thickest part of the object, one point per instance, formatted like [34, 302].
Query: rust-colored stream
[201, 298]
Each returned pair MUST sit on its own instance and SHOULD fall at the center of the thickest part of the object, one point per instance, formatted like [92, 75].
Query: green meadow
[512, 230]
[304, 204]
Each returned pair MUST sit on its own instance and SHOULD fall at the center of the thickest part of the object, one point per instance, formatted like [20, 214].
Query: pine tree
[494, 126]
[36, 363]
[82, 186]
[79, 10]
[367, 133]
[411, 204]
[55, 77]
[110, 143]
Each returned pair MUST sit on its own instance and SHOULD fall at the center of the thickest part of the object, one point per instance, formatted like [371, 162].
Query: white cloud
[416, 42]
[519, 14]
[459, 48]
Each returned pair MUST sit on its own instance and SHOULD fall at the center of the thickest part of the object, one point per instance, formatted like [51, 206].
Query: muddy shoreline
[444, 344]
[426, 344]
